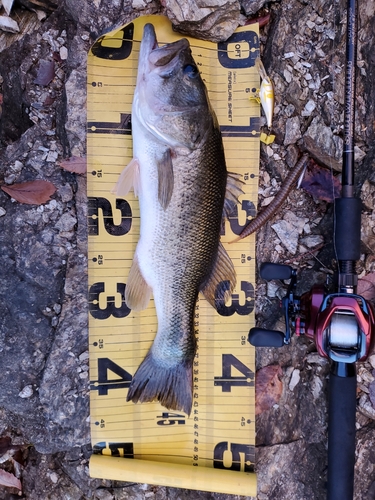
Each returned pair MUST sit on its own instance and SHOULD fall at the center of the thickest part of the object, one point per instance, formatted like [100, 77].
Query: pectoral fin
[233, 191]
[165, 179]
[137, 291]
[129, 178]
[220, 284]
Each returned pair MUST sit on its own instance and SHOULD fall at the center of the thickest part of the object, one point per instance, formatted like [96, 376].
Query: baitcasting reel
[342, 325]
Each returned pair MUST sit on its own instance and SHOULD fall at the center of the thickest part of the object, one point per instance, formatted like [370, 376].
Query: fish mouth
[155, 55]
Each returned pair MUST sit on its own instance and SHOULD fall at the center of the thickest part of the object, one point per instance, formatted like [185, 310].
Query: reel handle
[260, 337]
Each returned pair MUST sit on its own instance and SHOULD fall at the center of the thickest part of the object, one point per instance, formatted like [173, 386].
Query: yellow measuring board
[213, 449]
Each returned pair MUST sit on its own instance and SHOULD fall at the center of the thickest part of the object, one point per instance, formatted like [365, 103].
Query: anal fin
[220, 284]
[233, 192]
[137, 292]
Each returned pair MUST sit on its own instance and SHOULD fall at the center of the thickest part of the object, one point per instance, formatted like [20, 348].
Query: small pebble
[54, 477]
[63, 53]
[26, 392]
[295, 378]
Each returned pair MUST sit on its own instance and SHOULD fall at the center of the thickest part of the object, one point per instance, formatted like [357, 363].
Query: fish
[179, 174]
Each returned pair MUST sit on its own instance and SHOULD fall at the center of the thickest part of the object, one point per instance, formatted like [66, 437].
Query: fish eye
[191, 71]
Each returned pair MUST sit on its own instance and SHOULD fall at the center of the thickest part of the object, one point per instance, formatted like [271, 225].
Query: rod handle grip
[341, 431]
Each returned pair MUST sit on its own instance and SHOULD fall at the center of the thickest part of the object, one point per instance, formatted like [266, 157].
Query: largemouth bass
[178, 172]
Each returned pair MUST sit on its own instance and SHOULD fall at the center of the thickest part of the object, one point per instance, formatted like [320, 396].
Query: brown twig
[308, 255]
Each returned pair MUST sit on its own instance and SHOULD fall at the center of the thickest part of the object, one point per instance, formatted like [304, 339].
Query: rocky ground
[43, 305]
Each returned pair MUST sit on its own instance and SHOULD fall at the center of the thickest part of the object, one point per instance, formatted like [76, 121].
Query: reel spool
[343, 331]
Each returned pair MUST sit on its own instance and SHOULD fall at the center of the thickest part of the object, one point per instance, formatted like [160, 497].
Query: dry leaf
[320, 183]
[9, 480]
[48, 101]
[268, 388]
[46, 72]
[75, 164]
[32, 192]
[6, 445]
[366, 287]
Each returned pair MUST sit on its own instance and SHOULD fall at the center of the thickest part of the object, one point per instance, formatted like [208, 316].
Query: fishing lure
[266, 95]
[279, 199]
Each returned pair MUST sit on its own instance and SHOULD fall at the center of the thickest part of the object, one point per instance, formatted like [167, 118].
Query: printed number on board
[104, 382]
[249, 208]
[101, 207]
[125, 450]
[167, 418]
[234, 456]
[122, 127]
[234, 217]
[115, 48]
[242, 306]
[110, 309]
[230, 378]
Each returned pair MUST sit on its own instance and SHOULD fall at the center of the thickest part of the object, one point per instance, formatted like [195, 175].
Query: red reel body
[341, 325]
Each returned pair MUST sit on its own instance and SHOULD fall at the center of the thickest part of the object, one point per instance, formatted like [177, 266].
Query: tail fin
[170, 385]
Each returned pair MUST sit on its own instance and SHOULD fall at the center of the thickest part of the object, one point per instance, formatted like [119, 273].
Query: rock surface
[209, 21]
[43, 304]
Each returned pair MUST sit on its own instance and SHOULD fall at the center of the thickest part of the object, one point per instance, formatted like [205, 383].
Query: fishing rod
[341, 324]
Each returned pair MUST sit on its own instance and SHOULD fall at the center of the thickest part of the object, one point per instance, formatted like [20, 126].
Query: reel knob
[271, 271]
[260, 337]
